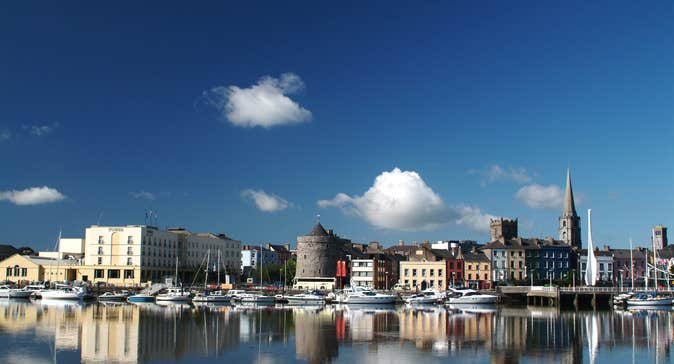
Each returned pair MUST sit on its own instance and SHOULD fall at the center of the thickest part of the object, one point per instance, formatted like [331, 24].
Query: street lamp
[452, 279]
[386, 280]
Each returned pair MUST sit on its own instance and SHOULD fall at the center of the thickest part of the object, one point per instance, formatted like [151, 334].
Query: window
[440, 284]
[439, 272]
[129, 251]
[98, 273]
[610, 266]
[546, 254]
[100, 250]
[485, 276]
[519, 253]
[552, 255]
[24, 272]
[485, 267]
[16, 271]
[566, 264]
[100, 260]
[100, 239]
[601, 266]
[470, 267]
[583, 265]
[470, 276]
[458, 265]
[512, 264]
[113, 273]
[520, 264]
[432, 283]
[128, 273]
[129, 261]
[423, 272]
[414, 283]
[546, 264]
[407, 272]
[432, 272]
[129, 240]
[9, 272]
[414, 274]
[451, 265]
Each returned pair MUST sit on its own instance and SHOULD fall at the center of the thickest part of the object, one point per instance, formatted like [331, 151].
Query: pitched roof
[475, 257]
[318, 230]
[7, 250]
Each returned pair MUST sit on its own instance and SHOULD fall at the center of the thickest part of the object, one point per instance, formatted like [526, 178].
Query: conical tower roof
[318, 230]
[569, 205]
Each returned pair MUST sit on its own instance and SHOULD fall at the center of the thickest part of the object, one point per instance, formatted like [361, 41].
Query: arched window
[16, 271]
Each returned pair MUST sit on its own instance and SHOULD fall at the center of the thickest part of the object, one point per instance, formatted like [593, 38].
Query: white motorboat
[306, 298]
[363, 295]
[212, 297]
[35, 290]
[174, 294]
[114, 296]
[8, 292]
[469, 296]
[428, 296]
[649, 299]
[64, 292]
[256, 298]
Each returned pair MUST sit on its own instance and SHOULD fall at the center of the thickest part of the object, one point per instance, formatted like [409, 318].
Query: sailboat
[651, 298]
[175, 293]
[257, 298]
[212, 296]
[591, 264]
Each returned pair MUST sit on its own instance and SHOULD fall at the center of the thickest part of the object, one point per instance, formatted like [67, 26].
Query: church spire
[569, 205]
[569, 222]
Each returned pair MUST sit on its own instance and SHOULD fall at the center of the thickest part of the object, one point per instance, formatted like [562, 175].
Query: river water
[40, 332]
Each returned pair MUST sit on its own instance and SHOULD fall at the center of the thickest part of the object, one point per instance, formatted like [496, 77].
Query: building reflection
[143, 333]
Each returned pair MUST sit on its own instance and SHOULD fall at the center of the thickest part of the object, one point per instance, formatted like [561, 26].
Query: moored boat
[306, 298]
[650, 299]
[8, 292]
[65, 292]
[428, 296]
[114, 296]
[363, 295]
[174, 294]
[470, 296]
[213, 296]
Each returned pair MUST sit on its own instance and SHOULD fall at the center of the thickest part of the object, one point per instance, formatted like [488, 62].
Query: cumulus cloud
[541, 197]
[40, 130]
[267, 202]
[401, 200]
[264, 104]
[497, 173]
[32, 196]
[143, 195]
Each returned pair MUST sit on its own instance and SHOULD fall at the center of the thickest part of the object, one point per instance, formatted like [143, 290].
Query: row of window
[113, 273]
[431, 283]
[609, 266]
[17, 271]
[470, 276]
[423, 272]
[477, 266]
[361, 274]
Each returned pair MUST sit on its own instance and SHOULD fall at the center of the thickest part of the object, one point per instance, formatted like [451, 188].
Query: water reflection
[146, 332]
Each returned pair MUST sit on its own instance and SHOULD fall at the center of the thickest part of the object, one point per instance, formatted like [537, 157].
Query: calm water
[34, 332]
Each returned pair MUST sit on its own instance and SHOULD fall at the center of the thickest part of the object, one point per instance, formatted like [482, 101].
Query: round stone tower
[318, 253]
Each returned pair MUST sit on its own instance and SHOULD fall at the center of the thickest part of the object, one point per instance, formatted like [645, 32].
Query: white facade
[154, 252]
[604, 267]
[362, 272]
[251, 257]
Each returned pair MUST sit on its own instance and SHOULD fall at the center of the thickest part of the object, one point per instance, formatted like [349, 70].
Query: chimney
[607, 248]
[454, 248]
[401, 242]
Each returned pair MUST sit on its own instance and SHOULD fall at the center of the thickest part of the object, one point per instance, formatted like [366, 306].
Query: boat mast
[208, 262]
[218, 268]
[631, 265]
[176, 278]
[655, 262]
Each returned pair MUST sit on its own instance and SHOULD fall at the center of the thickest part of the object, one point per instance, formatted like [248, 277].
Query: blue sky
[109, 110]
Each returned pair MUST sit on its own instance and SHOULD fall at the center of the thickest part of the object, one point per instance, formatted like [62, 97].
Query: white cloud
[265, 201]
[32, 196]
[497, 173]
[264, 104]
[143, 195]
[541, 197]
[5, 135]
[401, 200]
[40, 130]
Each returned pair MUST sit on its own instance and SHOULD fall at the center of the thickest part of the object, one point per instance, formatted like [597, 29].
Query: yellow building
[477, 270]
[424, 269]
[24, 269]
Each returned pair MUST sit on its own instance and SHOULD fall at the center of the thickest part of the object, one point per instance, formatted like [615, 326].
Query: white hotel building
[134, 254]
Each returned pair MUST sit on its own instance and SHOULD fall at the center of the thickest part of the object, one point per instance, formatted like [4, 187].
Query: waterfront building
[604, 264]
[24, 269]
[569, 221]
[622, 266]
[659, 237]
[451, 253]
[426, 268]
[317, 256]
[477, 270]
[507, 259]
[134, 254]
[251, 256]
[373, 271]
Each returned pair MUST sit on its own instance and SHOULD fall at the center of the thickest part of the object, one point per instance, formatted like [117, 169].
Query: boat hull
[373, 300]
[651, 302]
[211, 299]
[482, 299]
[305, 301]
[140, 298]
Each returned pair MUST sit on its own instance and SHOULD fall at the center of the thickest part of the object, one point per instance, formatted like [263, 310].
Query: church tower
[569, 222]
